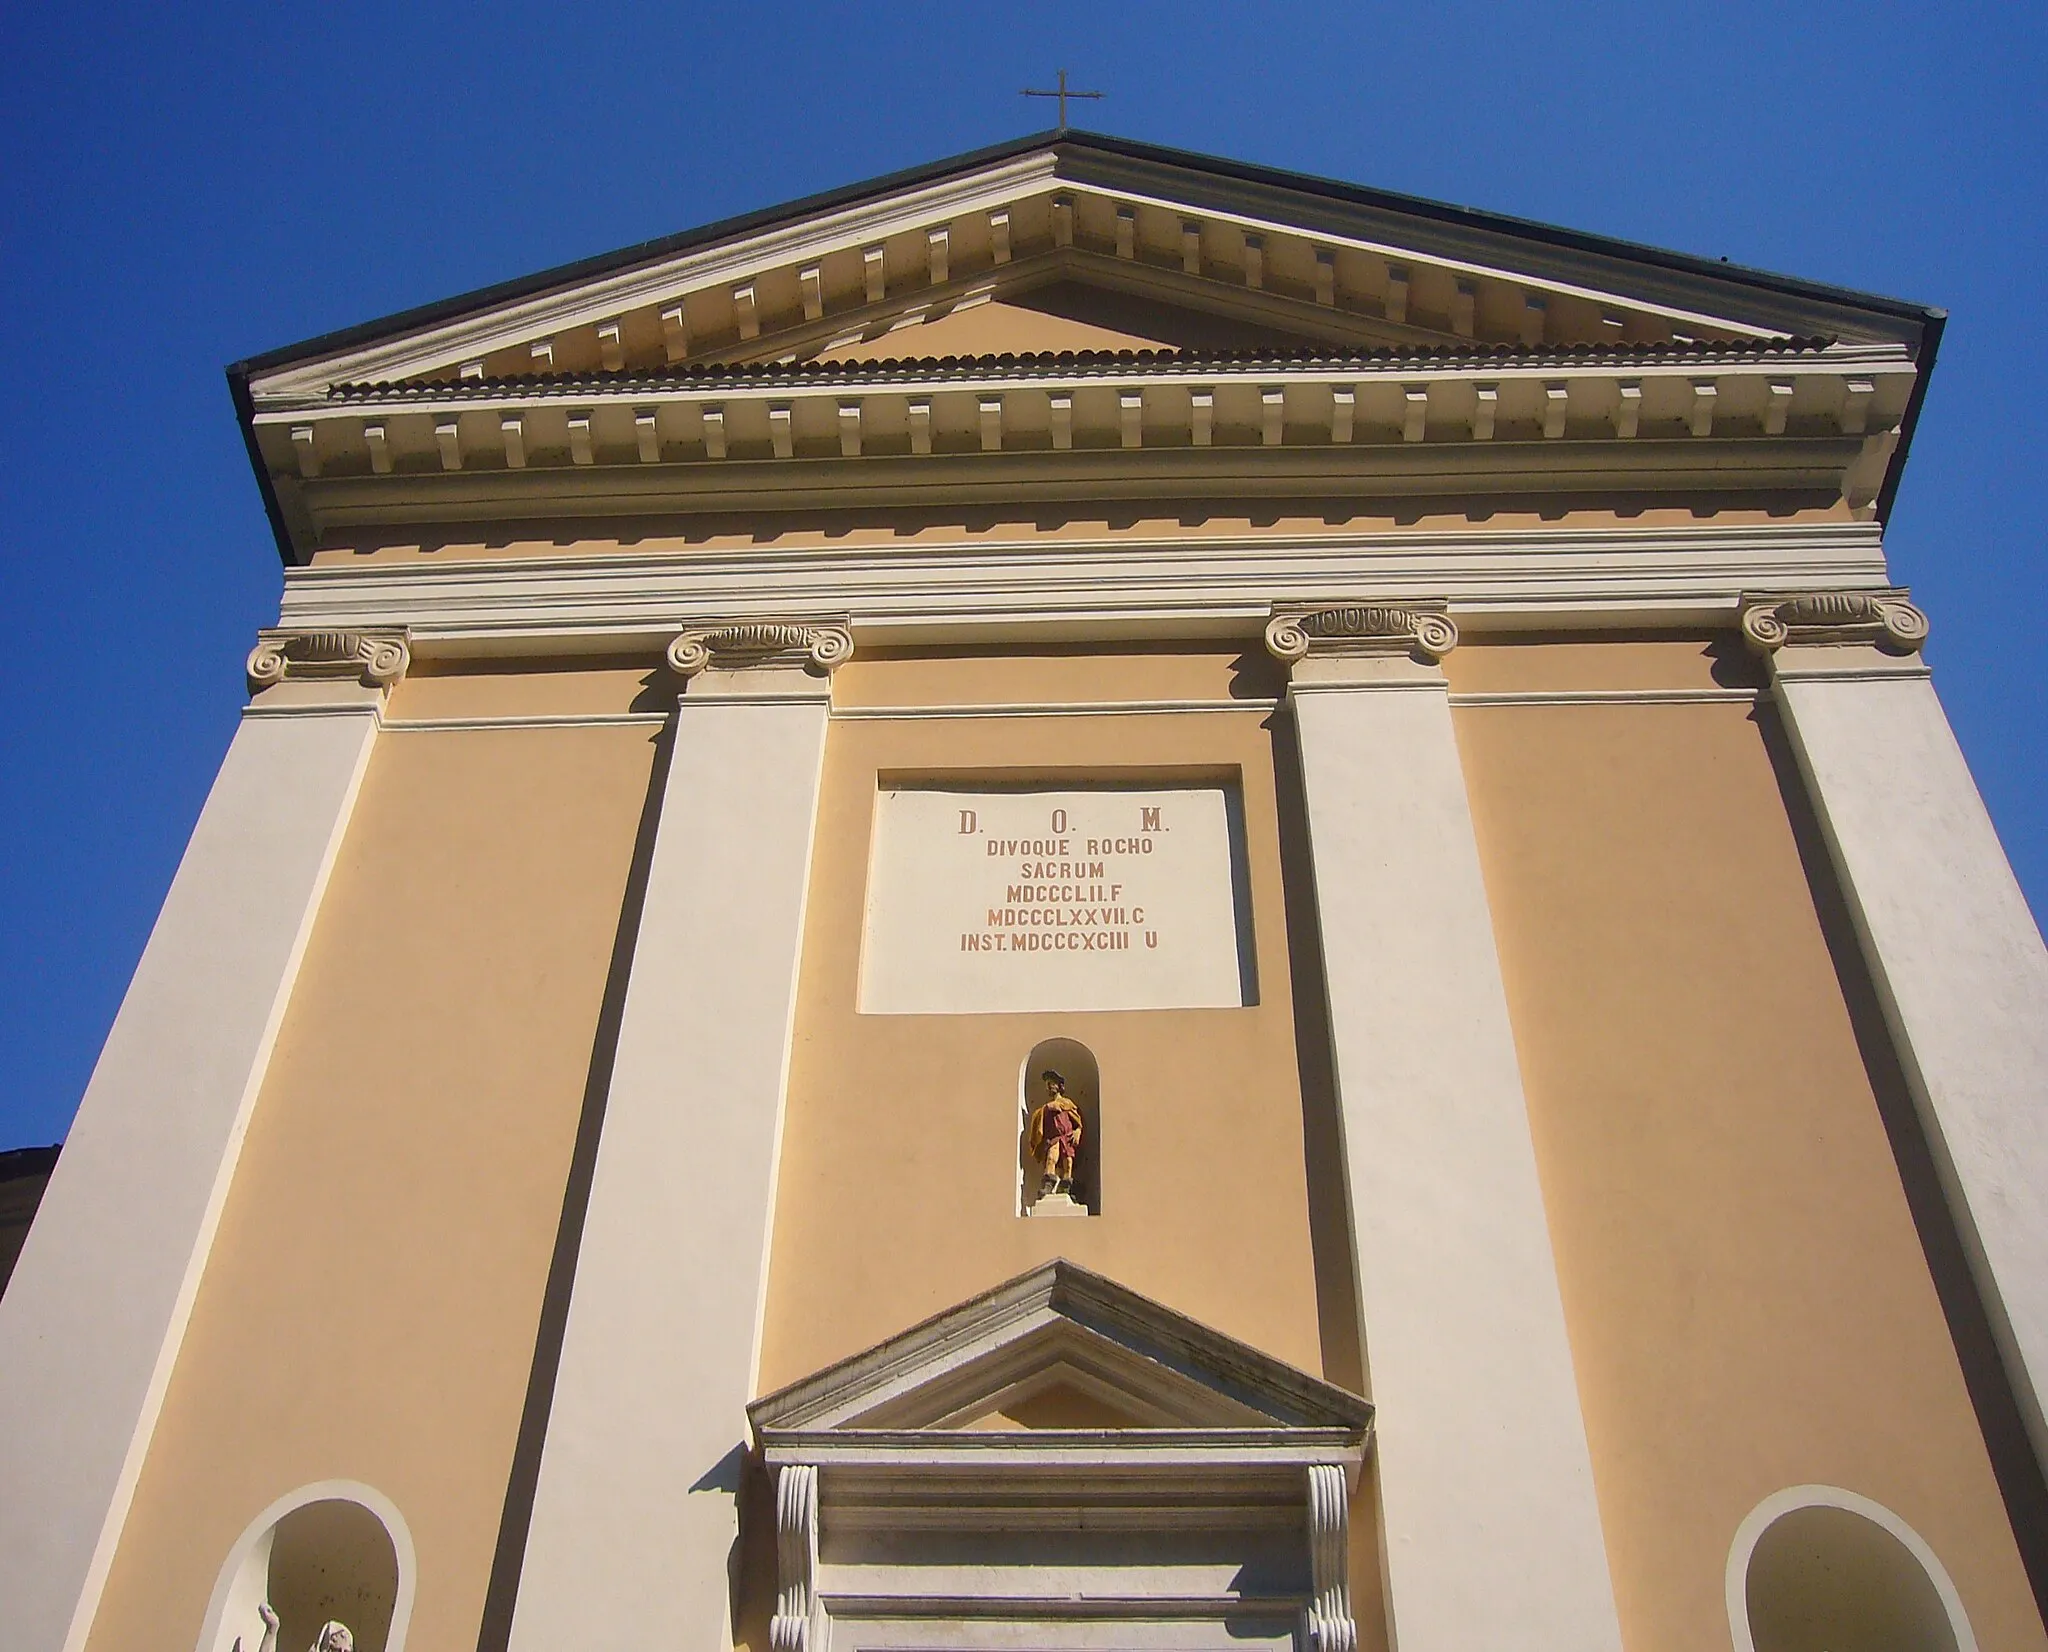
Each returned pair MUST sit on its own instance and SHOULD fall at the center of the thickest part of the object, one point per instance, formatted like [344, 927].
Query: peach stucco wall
[1748, 1301]
[369, 1311]
[1746, 1295]
[896, 1196]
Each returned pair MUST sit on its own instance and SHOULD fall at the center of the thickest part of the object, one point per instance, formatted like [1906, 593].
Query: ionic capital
[1881, 619]
[821, 647]
[1423, 630]
[374, 659]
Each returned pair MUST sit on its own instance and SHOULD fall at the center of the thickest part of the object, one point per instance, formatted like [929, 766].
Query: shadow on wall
[327, 1554]
[24, 1173]
[1817, 1569]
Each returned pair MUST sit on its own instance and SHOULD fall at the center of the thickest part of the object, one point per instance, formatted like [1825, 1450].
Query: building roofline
[1928, 320]
[645, 252]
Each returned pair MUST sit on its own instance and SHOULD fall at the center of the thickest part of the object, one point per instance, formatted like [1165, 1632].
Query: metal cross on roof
[1062, 94]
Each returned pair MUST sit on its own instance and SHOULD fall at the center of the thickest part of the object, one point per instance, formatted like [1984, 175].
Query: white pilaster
[1951, 944]
[1492, 1531]
[635, 1512]
[94, 1316]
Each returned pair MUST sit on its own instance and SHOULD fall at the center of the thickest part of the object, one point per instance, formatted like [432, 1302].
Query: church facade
[1088, 899]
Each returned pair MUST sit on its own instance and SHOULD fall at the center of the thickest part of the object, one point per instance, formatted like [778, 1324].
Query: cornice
[663, 280]
[913, 373]
[1302, 257]
[1159, 183]
[1461, 236]
[1101, 425]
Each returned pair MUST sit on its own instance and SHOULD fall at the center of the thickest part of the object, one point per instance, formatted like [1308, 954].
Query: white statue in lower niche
[333, 1636]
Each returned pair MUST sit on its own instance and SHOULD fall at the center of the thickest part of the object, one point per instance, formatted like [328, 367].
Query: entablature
[1804, 417]
[1005, 589]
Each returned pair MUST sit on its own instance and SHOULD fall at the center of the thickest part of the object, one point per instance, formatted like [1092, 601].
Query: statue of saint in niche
[333, 1636]
[1054, 1137]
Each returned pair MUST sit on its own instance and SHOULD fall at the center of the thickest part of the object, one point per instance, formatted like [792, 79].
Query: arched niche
[1820, 1569]
[1075, 1063]
[332, 1550]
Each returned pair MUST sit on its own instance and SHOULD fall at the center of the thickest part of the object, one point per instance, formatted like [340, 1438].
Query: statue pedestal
[1056, 1204]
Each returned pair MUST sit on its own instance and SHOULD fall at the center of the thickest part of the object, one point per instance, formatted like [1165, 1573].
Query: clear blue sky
[188, 185]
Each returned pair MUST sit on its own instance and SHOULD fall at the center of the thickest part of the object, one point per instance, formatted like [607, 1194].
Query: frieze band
[1883, 619]
[1361, 628]
[376, 659]
[823, 648]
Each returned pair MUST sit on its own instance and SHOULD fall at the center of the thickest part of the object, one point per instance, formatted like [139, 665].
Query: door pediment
[1059, 1340]
[1061, 1462]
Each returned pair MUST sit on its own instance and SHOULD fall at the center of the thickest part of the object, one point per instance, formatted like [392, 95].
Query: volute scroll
[822, 647]
[1884, 619]
[376, 659]
[1425, 630]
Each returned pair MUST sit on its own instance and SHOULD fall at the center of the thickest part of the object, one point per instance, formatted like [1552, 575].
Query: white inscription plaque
[1104, 898]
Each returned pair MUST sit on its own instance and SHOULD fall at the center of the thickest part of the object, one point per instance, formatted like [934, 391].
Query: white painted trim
[1959, 965]
[661, 282]
[1048, 708]
[568, 719]
[95, 1315]
[1492, 1526]
[1781, 1503]
[936, 1623]
[1495, 579]
[1210, 1457]
[1301, 689]
[635, 1510]
[322, 1491]
[286, 708]
[791, 245]
[1436, 260]
[907, 1391]
[1614, 697]
[439, 400]
[1888, 672]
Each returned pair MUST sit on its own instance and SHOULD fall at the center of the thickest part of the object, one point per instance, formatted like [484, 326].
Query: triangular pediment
[1219, 256]
[1061, 316]
[1059, 1348]
[1085, 296]
[1060, 1402]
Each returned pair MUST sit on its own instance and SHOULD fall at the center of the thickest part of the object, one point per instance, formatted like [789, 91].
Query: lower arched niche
[328, 1553]
[1075, 1063]
[1818, 1569]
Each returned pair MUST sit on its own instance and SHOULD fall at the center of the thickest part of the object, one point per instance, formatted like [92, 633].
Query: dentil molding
[1883, 619]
